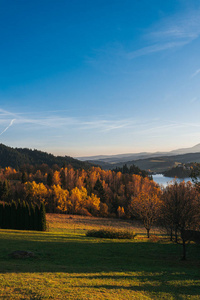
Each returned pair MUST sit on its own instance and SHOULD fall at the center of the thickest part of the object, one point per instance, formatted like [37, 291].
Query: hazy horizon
[84, 78]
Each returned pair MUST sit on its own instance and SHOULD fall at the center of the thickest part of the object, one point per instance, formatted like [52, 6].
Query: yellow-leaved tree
[80, 202]
[58, 199]
[92, 204]
[147, 205]
[36, 192]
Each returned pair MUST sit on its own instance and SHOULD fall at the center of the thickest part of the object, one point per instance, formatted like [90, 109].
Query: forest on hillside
[17, 157]
[74, 191]
[96, 192]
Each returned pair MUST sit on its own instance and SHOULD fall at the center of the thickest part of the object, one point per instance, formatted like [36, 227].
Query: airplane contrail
[12, 121]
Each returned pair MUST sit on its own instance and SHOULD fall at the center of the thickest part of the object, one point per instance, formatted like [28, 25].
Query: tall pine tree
[42, 218]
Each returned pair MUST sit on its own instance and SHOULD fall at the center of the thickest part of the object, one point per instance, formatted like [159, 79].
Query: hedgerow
[111, 234]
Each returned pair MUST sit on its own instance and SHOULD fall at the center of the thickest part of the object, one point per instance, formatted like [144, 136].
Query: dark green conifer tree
[13, 215]
[36, 219]
[32, 217]
[99, 191]
[24, 177]
[87, 185]
[63, 179]
[6, 191]
[23, 216]
[19, 215]
[50, 179]
[27, 216]
[42, 218]
[115, 204]
[6, 224]
[1, 214]
[1, 191]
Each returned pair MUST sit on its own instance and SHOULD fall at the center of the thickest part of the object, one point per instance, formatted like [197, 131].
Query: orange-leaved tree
[147, 205]
[181, 210]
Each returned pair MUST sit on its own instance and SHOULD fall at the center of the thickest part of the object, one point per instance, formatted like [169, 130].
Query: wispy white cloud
[11, 123]
[107, 125]
[172, 32]
[195, 73]
[155, 48]
[193, 100]
[51, 120]
[183, 25]
[5, 113]
[59, 126]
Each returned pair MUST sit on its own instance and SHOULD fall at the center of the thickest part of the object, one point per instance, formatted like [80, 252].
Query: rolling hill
[17, 157]
[158, 164]
[127, 157]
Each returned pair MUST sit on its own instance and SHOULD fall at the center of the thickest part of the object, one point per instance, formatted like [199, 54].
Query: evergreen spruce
[7, 218]
[24, 177]
[50, 179]
[27, 217]
[1, 214]
[1, 191]
[23, 216]
[99, 191]
[32, 217]
[42, 218]
[18, 216]
[13, 215]
[63, 179]
[36, 219]
[6, 191]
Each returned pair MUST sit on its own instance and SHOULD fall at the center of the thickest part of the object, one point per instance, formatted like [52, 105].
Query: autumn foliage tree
[72, 191]
[146, 205]
[181, 210]
[35, 192]
[58, 199]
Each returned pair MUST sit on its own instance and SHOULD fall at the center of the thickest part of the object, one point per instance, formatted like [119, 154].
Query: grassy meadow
[69, 265]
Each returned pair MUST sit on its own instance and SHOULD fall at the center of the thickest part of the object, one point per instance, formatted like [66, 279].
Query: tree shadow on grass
[84, 252]
[163, 287]
[156, 266]
[65, 253]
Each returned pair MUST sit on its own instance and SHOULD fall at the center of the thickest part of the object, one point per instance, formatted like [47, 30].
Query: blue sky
[87, 77]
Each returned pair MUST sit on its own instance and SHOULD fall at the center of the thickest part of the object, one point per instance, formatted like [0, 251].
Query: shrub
[111, 234]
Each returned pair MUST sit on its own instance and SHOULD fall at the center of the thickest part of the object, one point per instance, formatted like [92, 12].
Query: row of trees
[176, 208]
[22, 216]
[106, 193]
[92, 192]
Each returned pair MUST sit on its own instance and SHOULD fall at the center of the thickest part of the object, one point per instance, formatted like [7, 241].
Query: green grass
[70, 265]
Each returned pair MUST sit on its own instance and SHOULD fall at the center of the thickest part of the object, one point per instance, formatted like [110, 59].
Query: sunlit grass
[69, 265]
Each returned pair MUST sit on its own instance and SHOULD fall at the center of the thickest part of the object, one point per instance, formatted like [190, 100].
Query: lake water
[162, 180]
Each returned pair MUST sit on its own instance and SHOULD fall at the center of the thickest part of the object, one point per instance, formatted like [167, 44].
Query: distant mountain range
[17, 157]
[155, 162]
[114, 159]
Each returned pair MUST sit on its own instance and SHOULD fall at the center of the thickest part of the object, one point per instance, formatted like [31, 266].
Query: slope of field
[80, 224]
[69, 265]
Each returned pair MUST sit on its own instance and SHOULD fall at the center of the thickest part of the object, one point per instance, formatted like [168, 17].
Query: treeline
[132, 170]
[17, 157]
[93, 192]
[96, 192]
[178, 171]
[22, 216]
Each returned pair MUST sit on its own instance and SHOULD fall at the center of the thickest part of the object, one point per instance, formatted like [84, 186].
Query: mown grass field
[69, 265]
